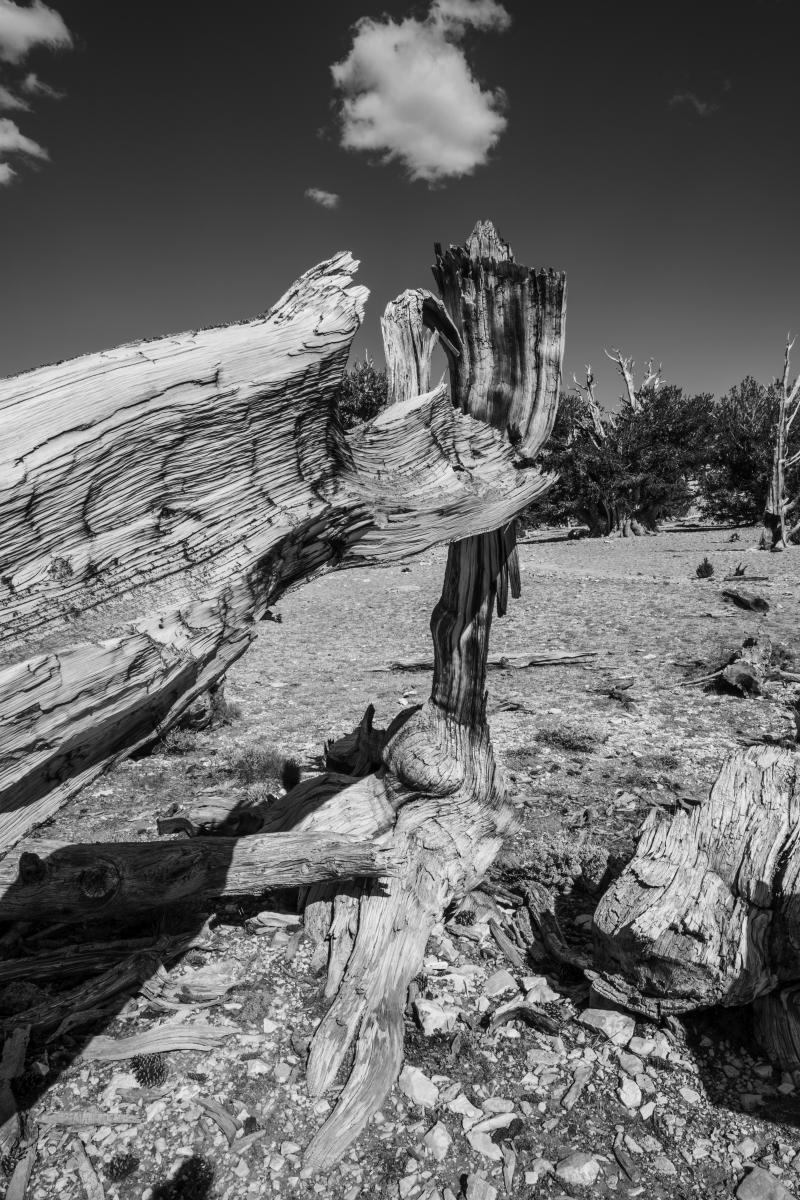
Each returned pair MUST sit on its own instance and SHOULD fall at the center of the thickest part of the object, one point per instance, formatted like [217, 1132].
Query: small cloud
[703, 108]
[409, 95]
[11, 103]
[14, 142]
[32, 85]
[21, 29]
[483, 14]
[7, 174]
[326, 199]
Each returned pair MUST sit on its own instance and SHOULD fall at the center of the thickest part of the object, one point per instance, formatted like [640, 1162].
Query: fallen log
[706, 913]
[157, 499]
[76, 882]
[748, 600]
[503, 662]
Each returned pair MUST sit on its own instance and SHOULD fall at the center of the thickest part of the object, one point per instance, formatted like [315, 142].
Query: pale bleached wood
[706, 913]
[778, 504]
[66, 881]
[157, 499]
[451, 803]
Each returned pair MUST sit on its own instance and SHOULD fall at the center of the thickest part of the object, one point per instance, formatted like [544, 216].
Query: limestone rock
[416, 1085]
[578, 1170]
[617, 1027]
[760, 1185]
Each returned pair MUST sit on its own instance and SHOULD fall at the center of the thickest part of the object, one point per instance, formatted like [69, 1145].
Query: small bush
[178, 741]
[705, 569]
[255, 764]
[571, 741]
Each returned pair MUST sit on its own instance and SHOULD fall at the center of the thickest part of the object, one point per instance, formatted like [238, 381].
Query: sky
[166, 166]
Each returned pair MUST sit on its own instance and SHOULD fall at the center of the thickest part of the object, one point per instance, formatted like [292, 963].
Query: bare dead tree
[651, 379]
[778, 505]
[156, 499]
[593, 424]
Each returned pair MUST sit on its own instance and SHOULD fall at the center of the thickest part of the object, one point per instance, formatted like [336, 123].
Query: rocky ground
[486, 1105]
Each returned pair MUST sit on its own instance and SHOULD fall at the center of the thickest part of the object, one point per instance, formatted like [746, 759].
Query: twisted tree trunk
[439, 775]
[156, 499]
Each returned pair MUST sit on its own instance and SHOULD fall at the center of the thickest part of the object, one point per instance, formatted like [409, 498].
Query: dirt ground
[588, 750]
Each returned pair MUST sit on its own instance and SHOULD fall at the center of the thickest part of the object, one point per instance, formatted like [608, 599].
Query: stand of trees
[663, 451]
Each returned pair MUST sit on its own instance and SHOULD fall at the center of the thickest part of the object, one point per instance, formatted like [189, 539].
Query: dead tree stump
[448, 804]
[708, 910]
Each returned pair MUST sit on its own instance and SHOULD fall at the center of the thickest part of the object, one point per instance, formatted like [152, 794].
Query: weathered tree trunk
[776, 536]
[59, 881]
[155, 500]
[708, 910]
[438, 771]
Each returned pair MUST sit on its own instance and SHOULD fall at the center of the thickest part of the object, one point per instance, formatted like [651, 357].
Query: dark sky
[189, 132]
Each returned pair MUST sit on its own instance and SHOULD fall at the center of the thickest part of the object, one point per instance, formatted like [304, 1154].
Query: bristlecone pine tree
[157, 499]
[777, 532]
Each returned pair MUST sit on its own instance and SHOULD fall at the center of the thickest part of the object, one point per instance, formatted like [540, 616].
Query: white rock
[464, 1108]
[760, 1185]
[579, 1170]
[500, 983]
[438, 1141]
[630, 1064]
[257, 1066]
[416, 1085]
[629, 1092]
[663, 1165]
[485, 1146]
[748, 1148]
[434, 1018]
[478, 1189]
[690, 1095]
[616, 1026]
[644, 1047]
[497, 1104]
[538, 990]
[541, 1166]
[496, 1121]
[647, 1110]
[543, 1058]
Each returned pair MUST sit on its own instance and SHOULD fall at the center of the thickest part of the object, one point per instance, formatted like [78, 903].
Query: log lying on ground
[155, 500]
[503, 662]
[442, 791]
[708, 910]
[78, 881]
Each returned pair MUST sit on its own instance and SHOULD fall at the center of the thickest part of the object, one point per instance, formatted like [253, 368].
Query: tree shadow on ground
[66, 1007]
[723, 1037]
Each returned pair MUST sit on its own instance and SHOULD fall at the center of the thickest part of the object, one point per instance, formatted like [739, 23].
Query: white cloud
[326, 199]
[32, 85]
[14, 142]
[408, 92]
[22, 28]
[11, 103]
[7, 174]
[703, 108]
[483, 14]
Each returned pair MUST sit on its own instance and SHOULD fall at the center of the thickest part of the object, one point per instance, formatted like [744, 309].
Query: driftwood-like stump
[443, 796]
[156, 499]
[708, 911]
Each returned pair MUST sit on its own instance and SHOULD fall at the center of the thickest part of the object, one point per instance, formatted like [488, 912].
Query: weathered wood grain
[450, 799]
[77, 881]
[156, 499]
[708, 910]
